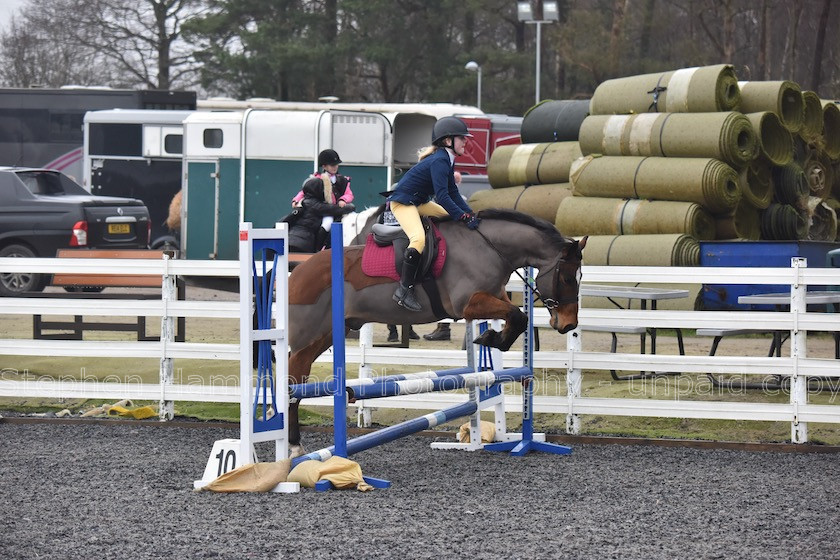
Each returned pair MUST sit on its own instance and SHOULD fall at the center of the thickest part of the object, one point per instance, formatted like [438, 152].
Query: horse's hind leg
[486, 306]
[300, 366]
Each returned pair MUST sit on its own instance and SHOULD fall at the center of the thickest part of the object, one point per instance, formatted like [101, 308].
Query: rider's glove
[470, 219]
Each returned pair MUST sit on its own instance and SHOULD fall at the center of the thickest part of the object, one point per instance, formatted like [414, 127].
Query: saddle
[386, 244]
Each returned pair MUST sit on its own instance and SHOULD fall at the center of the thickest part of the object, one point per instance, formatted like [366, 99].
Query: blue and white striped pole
[324, 388]
[392, 433]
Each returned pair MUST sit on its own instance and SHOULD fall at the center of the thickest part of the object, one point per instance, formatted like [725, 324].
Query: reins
[549, 303]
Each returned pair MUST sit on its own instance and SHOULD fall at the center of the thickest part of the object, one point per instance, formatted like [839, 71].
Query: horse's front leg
[487, 306]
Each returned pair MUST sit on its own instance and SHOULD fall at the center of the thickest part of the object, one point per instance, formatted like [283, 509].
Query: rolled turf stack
[541, 201]
[554, 121]
[709, 182]
[689, 90]
[532, 164]
[579, 216]
[672, 249]
[727, 136]
[782, 97]
[734, 156]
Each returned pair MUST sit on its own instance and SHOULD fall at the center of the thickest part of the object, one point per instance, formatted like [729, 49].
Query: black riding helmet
[449, 126]
[328, 157]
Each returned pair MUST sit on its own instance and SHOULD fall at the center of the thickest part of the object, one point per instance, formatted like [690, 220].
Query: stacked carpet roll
[541, 201]
[728, 136]
[554, 120]
[532, 164]
[706, 181]
[616, 216]
[780, 142]
[672, 249]
[688, 90]
[691, 153]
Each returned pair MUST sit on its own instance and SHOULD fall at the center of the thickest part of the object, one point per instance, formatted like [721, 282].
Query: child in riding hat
[304, 232]
[336, 189]
[412, 198]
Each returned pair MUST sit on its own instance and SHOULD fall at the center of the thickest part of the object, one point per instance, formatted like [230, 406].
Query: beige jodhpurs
[408, 216]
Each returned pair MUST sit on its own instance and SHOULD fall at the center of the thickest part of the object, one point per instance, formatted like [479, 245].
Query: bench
[88, 286]
[642, 332]
[720, 333]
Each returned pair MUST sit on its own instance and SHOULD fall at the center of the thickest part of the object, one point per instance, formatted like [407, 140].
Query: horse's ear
[582, 242]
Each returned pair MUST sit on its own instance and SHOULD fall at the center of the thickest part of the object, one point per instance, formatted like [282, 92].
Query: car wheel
[16, 283]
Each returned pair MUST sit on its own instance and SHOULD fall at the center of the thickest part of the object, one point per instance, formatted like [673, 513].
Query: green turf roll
[812, 117]
[783, 222]
[781, 97]
[819, 172]
[725, 136]
[540, 201]
[756, 185]
[704, 89]
[709, 182]
[743, 223]
[670, 249]
[554, 120]
[830, 139]
[531, 164]
[775, 143]
[791, 185]
[583, 215]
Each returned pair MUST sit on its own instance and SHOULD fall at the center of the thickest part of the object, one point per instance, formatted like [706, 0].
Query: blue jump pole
[339, 371]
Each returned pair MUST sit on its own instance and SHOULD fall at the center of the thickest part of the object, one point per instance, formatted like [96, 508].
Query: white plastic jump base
[272, 390]
[224, 457]
[457, 445]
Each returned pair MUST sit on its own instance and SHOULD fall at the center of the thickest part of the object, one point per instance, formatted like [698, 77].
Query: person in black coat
[304, 234]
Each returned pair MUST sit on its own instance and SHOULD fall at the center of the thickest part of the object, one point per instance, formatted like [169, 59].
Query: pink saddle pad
[379, 261]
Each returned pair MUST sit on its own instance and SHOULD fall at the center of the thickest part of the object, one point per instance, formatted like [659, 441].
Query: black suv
[42, 211]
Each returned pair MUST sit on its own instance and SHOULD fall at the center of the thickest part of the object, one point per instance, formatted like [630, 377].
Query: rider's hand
[470, 219]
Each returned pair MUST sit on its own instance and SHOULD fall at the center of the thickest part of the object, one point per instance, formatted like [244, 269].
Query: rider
[431, 177]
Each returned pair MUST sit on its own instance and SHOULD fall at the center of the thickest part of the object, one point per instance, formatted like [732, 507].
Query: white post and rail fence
[797, 366]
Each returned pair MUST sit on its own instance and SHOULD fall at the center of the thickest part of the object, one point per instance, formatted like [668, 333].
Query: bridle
[549, 303]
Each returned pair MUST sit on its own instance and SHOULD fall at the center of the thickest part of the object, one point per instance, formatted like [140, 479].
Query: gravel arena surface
[117, 489]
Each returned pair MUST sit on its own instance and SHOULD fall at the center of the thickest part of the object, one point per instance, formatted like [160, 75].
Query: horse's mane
[526, 219]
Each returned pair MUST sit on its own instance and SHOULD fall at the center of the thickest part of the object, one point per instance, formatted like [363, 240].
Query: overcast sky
[7, 8]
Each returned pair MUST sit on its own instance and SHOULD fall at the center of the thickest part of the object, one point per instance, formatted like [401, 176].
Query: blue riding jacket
[431, 178]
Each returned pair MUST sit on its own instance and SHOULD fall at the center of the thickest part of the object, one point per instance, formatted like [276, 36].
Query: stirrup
[406, 298]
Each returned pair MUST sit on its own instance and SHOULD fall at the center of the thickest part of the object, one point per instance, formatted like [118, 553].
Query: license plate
[119, 228]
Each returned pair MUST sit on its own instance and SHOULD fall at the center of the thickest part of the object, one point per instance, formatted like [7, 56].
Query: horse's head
[559, 285]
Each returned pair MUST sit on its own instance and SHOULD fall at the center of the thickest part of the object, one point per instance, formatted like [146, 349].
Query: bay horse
[471, 286]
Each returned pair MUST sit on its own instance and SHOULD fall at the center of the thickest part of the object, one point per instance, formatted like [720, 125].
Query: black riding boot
[405, 291]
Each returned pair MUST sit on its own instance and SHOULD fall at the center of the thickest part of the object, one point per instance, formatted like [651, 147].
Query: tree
[34, 55]
[137, 40]
[280, 49]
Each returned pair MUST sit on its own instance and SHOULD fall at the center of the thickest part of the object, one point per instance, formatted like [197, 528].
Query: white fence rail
[798, 366]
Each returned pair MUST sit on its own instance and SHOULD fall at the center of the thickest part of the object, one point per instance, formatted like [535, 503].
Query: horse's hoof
[488, 338]
[296, 451]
